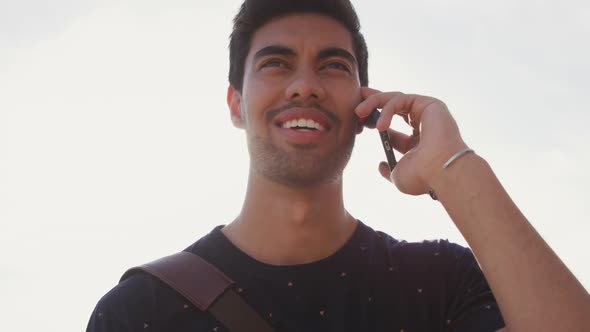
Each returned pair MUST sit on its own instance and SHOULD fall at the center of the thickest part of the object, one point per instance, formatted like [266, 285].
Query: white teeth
[303, 123]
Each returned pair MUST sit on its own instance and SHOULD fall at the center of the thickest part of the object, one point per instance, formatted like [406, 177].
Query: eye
[274, 63]
[338, 66]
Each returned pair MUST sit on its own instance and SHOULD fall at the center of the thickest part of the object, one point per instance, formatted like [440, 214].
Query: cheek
[261, 95]
[256, 100]
[257, 90]
[345, 90]
[349, 99]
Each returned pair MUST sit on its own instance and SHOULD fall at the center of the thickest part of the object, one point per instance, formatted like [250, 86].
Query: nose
[306, 87]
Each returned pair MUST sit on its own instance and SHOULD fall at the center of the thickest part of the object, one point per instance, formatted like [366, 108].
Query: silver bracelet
[457, 155]
[453, 158]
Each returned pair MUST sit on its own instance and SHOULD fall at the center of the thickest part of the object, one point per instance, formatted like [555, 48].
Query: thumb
[384, 170]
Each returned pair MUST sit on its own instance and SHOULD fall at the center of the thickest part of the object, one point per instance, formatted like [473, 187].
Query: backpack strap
[205, 287]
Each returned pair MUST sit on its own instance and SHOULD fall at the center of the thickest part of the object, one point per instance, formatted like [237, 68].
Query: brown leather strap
[207, 288]
[236, 315]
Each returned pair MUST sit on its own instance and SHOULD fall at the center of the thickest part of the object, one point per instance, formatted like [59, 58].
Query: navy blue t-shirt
[373, 283]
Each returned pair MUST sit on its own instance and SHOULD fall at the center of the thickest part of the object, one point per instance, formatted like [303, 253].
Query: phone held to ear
[371, 122]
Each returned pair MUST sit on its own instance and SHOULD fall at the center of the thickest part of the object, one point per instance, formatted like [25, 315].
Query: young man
[298, 87]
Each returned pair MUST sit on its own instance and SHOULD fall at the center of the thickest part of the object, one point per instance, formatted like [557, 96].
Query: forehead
[302, 32]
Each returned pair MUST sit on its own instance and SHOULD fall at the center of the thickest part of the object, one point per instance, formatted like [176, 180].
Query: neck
[282, 225]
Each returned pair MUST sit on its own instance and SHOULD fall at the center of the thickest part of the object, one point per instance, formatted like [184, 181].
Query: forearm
[534, 289]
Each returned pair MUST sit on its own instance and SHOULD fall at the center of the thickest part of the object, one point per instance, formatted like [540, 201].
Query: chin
[300, 168]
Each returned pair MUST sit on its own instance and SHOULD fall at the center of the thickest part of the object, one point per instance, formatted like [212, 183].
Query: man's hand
[434, 140]
[534, 289]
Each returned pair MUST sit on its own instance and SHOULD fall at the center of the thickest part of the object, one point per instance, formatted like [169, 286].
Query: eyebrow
[274, 50]
[323, 54]
[336, 52]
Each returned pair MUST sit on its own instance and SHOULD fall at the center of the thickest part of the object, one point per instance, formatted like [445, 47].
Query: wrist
[457, 171]
[435, 166]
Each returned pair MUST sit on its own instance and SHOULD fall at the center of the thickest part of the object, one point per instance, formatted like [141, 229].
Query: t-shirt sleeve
[472, 306]
[103, 321]
[127, 307]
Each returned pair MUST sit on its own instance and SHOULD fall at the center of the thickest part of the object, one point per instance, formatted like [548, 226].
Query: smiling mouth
[302, 124]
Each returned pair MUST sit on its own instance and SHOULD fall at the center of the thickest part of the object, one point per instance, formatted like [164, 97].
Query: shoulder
[435, 262]
[434, 253]
[428, 253]
[126, 307]
[442, 273]
[209, 244]
[141, 302]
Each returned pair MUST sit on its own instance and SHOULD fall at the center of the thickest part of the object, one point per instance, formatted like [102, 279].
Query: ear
[233, 102]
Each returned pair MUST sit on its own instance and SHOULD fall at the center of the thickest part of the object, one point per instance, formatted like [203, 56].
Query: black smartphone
[371, 122]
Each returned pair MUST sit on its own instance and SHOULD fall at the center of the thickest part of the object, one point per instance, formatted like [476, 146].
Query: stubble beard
[300, 168]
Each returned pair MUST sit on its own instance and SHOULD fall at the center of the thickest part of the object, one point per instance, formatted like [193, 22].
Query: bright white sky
[116, 146]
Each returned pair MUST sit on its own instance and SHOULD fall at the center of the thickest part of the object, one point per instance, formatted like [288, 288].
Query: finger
[393, 106]
[364, 109]
[408, 107]
[391, 103]
[373, 101]
[366, 92]
[384, 171]
[419, 105]
[400, 141]
[406, 118]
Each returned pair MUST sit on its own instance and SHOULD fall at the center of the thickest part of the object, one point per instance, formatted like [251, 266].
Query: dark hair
[255, 13]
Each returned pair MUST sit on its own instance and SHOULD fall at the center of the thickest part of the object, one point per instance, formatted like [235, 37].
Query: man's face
[300, 88]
